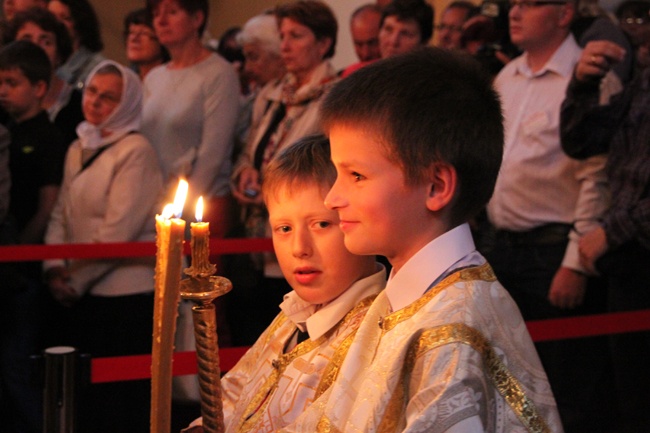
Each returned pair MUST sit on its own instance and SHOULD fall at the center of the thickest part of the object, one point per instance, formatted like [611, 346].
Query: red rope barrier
[139, 366]
[25, 253]
[589, 326]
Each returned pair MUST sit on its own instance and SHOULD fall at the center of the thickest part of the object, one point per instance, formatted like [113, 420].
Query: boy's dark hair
[313, 14]
[305, 162]
[418, 10]
[29, 58]
[425, 107]
[189, 6]
[46, 21]
[86, 24]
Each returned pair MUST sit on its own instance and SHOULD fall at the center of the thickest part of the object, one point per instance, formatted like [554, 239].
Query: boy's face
[18, 96]
[309, 245]
[379, 212]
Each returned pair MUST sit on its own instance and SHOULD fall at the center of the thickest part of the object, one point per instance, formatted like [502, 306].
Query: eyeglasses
[138, 34]
[525, 5]
[449, 27]
[106, 98]
[631, 21]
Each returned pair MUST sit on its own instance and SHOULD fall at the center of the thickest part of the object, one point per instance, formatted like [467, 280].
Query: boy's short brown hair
[425, 107]
[29, 58]
[305, 162]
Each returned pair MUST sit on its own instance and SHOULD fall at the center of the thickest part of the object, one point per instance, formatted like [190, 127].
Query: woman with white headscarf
[110, 193]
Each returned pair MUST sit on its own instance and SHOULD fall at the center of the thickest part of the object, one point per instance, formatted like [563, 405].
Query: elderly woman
[143, 50]
[80, 19]
[191, 107]
[289, 111]
[260, 43]
[62, 101]
[111, 190]
[308, 38]
[259, 40]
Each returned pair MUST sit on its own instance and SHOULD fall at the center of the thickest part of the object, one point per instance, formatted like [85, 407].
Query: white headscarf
[124, 119]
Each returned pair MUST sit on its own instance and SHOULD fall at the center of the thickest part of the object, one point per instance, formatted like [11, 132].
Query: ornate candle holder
[202, 287]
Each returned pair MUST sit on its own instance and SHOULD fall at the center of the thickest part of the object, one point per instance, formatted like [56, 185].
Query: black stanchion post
[61, 386]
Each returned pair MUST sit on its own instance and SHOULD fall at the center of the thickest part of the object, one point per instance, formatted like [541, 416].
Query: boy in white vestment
[296, 358]
[417, 142]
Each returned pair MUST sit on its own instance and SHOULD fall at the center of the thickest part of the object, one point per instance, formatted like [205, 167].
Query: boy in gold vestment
[417, 143]
[295, 359]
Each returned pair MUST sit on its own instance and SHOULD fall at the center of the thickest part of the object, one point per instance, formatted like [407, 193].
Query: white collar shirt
[318, 320]
[428, 266]
[538, 183]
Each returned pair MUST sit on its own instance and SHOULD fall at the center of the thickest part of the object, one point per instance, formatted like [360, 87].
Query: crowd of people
[515, 152]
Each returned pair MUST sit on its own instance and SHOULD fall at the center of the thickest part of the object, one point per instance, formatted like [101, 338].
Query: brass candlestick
[202, 287]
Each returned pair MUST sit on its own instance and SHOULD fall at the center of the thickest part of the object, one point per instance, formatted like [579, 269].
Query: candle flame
[168, 211]
[199, 209]
[179, 199]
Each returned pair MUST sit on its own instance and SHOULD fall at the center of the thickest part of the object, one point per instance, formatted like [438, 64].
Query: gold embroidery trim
[506, 384]
[325, 426]
[274, 326]
[483, 273]
[258, 404]
[332, 368]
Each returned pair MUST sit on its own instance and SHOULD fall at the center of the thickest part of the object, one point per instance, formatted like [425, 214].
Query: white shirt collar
[318, 321]
[417, 274]
[557, 63]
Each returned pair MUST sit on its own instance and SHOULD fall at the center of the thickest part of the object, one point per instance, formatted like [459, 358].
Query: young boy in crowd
[296, 358]
[36, 155]
[417, 143]
[37, 151]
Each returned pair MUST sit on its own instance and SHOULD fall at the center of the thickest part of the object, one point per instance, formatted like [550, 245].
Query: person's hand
[248, 189]
[58, 281]
[591, 247]
[597, 59]
[567, 289]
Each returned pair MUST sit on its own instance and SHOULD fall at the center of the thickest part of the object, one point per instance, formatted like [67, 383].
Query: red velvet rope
[139, 366]
[22, 253]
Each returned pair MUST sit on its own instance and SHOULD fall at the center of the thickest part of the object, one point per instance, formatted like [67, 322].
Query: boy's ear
[40, 89]
[442, 186]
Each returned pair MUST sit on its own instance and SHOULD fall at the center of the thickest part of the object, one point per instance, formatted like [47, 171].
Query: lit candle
[170, 233]
[201, 244]
[203, 288]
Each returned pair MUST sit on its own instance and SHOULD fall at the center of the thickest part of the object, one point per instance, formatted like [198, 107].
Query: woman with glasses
[110, 193]
[143, 50]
